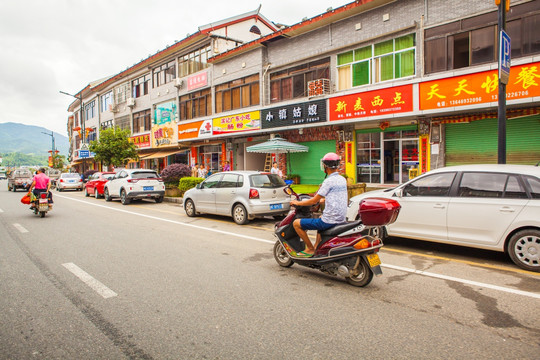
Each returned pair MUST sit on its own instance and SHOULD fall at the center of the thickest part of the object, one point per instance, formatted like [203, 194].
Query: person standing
[275, 170]
[194, 170]
[202, 171]
[227, 166]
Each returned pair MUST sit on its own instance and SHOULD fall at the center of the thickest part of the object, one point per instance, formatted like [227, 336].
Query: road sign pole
[501, 153]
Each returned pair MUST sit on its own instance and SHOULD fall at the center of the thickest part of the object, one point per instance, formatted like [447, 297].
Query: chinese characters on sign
[480, 88]
[297, 114]
[141, 141]
[198, 80]
[237, 123]
[372, 103]
[318, 87]
[193, 130]
[164, 136]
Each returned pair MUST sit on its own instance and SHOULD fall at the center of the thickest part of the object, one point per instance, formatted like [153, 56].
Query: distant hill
[28, 139]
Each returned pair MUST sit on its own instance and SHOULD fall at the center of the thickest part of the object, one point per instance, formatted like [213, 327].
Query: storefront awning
[161, 154]
[144, 156]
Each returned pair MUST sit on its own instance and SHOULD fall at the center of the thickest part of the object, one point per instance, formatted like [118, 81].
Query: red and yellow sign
[480, 88]
[372, 103]
[237, 123]
[164, 135]
[141, 141]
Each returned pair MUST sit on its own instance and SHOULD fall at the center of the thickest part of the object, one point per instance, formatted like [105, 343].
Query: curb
[177, 200]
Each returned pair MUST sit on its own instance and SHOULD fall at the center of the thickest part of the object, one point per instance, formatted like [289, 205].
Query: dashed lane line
[86, 278]
[20, 228]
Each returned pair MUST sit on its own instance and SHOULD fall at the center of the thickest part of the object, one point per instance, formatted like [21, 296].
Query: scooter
[349, 249]
[41, 204]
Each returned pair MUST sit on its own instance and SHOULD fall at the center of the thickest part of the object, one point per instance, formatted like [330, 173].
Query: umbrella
[278, 145]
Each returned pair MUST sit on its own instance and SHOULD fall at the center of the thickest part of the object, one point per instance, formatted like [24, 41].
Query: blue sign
[504, 57]
[84, 153]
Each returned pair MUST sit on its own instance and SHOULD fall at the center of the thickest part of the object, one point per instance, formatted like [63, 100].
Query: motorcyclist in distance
[41, 183]
[333, 192]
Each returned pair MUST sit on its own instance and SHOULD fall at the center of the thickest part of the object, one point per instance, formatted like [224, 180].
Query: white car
[130, 184]
[494, 207]
[69, 181]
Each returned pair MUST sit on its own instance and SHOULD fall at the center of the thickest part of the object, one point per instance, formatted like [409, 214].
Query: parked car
[240, 194]
[129, 184]
[68, 181]
[54, 175]
[20, 179]
[494, 207]
[96, 183]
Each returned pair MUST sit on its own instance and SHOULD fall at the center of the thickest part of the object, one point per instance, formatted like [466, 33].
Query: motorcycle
[41, 204]
[349, 249]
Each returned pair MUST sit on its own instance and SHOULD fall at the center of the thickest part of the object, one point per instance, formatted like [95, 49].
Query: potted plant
[171, 176]
[294, 177]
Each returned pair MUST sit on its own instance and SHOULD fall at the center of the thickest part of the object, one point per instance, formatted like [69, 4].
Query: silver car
[69, 181]
[240, 194]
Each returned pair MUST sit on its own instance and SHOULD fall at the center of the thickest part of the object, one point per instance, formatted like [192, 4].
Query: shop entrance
[209, 156]
[399, 157]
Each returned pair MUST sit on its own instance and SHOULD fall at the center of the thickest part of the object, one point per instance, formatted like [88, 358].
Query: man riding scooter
[333, 192]
[41, 183]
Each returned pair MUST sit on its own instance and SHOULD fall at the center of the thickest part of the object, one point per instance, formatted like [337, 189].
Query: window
[140, 86]
[473, 41]
[238, 94]
[431, 185]
[211, 182]
[269, 181]
[196, 104]
[534, 186]
[194, 61]
[106, 101]
[292, 83]
[487, 185]
[164, 74]
[106, 124]
[91, 135]
[123, 123]
[142, 121]
[90, 110]
[229, 181]
[121, 93]
[387, 60]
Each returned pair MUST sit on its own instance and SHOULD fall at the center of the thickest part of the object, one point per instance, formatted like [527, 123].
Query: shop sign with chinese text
[141, 141]
[194, 130]
[392, 100]
[237, 123]
[296, 114]
[164, 135]
[480, 88]
[197, 81]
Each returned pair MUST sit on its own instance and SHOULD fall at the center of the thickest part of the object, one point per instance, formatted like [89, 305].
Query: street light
[52, 148]
[82, 123]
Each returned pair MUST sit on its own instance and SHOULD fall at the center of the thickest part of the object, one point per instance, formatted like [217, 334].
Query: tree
[58, 161]
[113, 147]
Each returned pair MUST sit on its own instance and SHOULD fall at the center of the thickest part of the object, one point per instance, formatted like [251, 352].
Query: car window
[489, 185]
[211, 182]
[514, 189]
[71, 175]
[229, 181]
[534, 186]
[108, 176]
[144, 175]
[266, 181]
[431, 185]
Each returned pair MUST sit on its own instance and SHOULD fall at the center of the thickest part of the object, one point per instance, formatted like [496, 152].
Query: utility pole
[504, 72]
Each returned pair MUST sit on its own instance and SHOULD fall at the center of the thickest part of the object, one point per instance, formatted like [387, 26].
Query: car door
[116, 183]
[226, 192]
[205, 200]
[484, 206]
[424, 204]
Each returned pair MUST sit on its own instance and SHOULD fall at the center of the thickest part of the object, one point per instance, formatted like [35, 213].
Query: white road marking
[1, 211]
[90, 281]
[395, 267]
[463, 281]
[20, 228]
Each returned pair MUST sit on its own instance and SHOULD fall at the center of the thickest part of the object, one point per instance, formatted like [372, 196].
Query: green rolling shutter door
[476, 142]
[307, 164]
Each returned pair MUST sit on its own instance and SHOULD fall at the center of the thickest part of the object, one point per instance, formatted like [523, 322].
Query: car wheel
[159, 199]
[281, 255]
[524, 249]
[106, 195]
[240, 215]
[363, 274]
[189, 208]
[86, 192]
[123, 198]
[96, 194]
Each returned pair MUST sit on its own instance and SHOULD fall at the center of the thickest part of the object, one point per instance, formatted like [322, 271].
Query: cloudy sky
[52, 45]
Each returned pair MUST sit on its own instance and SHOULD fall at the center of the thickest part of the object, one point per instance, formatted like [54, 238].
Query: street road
[99, 280]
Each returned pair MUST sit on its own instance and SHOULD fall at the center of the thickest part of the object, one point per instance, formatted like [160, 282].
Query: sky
[48, 46]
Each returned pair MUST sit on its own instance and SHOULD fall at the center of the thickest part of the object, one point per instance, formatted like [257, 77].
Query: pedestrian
[227, 166]
[275, 170]
[201, 172]
[194, 170]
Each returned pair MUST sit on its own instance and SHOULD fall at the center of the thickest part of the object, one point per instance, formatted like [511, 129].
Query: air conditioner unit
[130, 102]
[318, 87]
[179, 83]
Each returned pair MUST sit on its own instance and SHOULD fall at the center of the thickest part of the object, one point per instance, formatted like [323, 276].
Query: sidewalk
[177, 200]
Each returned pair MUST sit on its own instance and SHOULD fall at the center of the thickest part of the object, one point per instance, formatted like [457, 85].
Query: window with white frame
[164, 73]
[140, 86]
[121, 93]
[387, 60]
[90, 110]
[194, 61]
[106, 101]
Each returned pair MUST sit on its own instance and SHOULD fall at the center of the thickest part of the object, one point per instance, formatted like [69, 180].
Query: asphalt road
[98, 280]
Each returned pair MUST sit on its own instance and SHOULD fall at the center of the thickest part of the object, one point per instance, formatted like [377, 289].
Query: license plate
[43, 207]
[71, 181]
[43, 201]
[148, 188]
[373, 260]
[276, 206]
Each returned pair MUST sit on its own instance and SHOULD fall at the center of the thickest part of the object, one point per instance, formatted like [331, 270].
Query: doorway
[400, 149]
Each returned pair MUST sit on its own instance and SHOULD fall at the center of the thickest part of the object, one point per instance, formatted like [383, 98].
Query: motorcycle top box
[378, 211]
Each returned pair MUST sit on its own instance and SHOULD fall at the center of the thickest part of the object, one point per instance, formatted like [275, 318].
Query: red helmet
[330, 160]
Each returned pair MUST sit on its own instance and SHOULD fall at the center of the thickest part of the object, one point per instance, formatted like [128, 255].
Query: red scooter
[349, 249]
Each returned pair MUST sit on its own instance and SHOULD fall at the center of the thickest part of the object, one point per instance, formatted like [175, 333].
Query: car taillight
[61, 180]
[253, 193]
[132, 180]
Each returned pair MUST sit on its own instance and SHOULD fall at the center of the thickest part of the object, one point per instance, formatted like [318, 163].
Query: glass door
[368, 157]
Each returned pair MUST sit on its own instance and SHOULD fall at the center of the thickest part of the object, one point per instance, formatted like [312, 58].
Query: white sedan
[494, 207]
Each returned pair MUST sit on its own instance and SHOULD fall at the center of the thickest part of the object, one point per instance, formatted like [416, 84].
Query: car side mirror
[198, 186]
[399, 193]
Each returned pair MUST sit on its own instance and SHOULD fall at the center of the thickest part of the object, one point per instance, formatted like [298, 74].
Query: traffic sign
[84, 153]
[504, 57]
[84, 146]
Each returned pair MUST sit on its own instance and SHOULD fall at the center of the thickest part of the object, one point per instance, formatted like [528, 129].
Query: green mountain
[30, 140]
